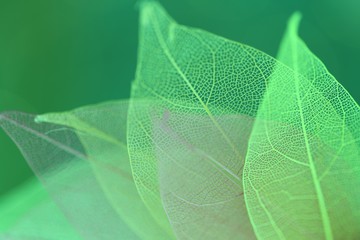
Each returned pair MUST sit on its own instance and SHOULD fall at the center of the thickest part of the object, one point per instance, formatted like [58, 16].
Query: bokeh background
[56, 55]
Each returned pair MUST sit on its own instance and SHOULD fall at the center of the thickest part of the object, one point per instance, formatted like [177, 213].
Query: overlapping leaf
[192, 73]
[225, 142]
[303, 163]
[81, 157]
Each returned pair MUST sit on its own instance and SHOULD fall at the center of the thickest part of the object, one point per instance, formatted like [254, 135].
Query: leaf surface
[302, 166]
[224, 142]
[202, 197]
[81, 158]
[186, 73]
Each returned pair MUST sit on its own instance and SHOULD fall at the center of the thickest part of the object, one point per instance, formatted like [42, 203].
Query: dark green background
[56, 55]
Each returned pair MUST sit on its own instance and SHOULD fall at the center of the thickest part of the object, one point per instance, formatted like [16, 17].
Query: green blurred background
[56, 55]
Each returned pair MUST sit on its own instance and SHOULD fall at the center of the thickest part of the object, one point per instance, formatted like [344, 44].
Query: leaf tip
[50, 118]
[294, 21]
[146, 9]
[150, 9]
[39, 119]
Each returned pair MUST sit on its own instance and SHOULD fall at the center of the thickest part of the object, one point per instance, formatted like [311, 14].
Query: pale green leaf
[81, 158]
[225, 142]
[301, 175]
[102, 131]
[56, 155]
[208, 87]
[202, 197]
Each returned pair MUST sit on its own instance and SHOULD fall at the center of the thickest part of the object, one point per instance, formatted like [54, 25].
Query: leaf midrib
[184, 77]
[318, 189]
[44, 137]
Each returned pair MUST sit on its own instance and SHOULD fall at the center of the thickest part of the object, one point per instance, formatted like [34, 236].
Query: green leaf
[207, 88]
[81, 158]
[202, 197]
[301, 175]
[56, 155]
[102, 132]
[224, 142]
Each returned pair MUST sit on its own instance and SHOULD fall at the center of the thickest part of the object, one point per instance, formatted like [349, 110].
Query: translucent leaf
[191, 73]
[203, 198]
[301, 175]
[57, 157]
[102, 131]
[225, 142]
[82, 160]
